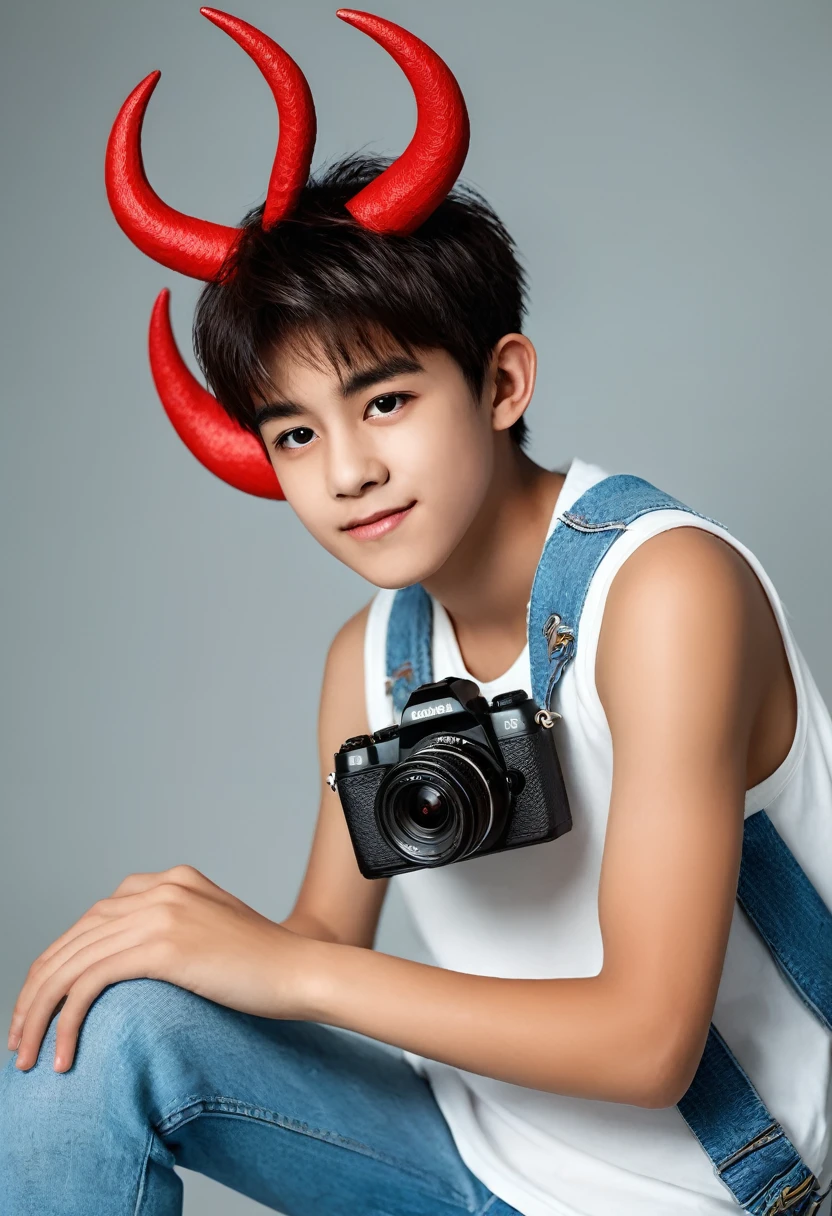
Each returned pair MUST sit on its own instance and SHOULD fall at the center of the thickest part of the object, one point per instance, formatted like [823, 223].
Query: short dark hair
[320, 278]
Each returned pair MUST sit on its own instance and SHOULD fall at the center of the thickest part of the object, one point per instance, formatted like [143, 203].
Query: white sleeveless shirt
[533, 913]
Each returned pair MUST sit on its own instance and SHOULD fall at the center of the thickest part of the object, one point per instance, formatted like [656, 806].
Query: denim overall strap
[749, 1150]
[570, 557]
[788, 913]
[409, 636]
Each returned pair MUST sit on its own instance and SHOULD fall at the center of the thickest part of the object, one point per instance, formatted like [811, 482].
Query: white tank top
[533, 913]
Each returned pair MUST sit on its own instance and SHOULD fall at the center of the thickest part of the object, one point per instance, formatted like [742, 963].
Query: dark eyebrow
[277, 409]
[397, 365]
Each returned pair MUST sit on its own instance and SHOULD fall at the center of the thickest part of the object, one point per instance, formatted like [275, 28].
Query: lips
[379, 523]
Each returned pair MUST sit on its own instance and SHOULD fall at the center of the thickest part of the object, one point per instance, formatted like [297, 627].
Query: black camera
[456, 779]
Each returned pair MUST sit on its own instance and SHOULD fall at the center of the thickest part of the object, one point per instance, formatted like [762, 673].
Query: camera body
[458, 778]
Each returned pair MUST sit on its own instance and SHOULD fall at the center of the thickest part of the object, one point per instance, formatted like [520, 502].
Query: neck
[485, 584]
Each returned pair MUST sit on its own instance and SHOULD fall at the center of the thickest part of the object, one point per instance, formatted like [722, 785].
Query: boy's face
[398, 436]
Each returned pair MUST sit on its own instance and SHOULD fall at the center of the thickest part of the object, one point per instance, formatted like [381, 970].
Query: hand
[173, 925]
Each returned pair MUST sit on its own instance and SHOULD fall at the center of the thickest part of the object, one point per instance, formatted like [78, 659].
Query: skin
[697, 711]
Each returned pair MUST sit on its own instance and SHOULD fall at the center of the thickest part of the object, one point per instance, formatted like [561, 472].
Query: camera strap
[749, 1150]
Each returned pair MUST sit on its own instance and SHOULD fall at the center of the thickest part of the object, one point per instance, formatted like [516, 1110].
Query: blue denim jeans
[308, 1119]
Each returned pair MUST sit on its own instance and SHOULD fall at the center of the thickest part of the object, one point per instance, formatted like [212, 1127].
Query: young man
[385, 375]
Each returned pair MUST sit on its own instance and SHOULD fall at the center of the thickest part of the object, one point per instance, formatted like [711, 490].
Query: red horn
[295, 108]
[404, 195]
[220, 443]
[182, 242]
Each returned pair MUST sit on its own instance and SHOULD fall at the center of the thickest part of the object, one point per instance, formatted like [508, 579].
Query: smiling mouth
[379, 524]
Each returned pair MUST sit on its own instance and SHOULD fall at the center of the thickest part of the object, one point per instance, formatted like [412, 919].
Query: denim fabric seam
[491, 1200]
[221, 1104]
[142, 1174]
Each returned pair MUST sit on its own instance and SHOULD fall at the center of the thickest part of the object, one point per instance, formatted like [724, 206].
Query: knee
[132, 1041]
[108, 1094]
[129, 1021]
[116, 1039]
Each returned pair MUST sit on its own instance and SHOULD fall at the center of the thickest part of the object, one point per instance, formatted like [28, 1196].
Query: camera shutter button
[386, 732]
[505, 700]
[356, 741]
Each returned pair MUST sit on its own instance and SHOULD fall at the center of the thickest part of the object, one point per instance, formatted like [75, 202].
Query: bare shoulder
[687, 589]
[691, 575]
[691, 563]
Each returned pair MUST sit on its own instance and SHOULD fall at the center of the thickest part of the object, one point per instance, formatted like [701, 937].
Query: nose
[353, 463]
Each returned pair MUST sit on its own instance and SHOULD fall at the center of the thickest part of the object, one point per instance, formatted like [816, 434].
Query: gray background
[665, 169]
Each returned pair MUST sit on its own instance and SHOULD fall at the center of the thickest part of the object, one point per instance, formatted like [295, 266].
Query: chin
[396, 567]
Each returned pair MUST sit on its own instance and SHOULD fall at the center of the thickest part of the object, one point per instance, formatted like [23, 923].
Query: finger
[106, 909]
[35, 972]
[48, 965]
[134, 884]
[58, 986]
[112, 916]
[181, 876]
[136, 962]
[158, 883]
[94, 915]
[101, 913]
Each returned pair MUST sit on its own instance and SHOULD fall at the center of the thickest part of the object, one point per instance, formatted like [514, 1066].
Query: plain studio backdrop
[665, 168]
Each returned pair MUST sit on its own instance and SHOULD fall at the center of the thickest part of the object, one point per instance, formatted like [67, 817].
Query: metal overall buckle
[792, 1197]
[560, 646]
[404, 672]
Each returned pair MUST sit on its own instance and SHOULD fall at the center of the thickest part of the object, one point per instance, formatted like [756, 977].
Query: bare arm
[335, 902]
[682, 704]
[179, 926]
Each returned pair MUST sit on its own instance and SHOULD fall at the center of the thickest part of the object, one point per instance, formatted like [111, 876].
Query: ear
[511, 379]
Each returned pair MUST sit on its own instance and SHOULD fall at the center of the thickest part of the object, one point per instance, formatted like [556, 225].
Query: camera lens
[443, 802]
[425, 806]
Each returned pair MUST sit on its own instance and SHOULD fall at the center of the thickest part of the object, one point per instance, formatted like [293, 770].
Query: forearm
[569, 1036]
[317, 930]
[308, 926]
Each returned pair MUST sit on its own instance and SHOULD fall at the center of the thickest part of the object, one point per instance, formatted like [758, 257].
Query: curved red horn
[404, 195]
[182, 242]
[295, 109]
[220, 443]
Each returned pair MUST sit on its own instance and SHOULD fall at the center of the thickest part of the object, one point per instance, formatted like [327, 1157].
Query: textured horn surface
[217, 441]
[404, 195]
[295, 108]
[183, 242]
